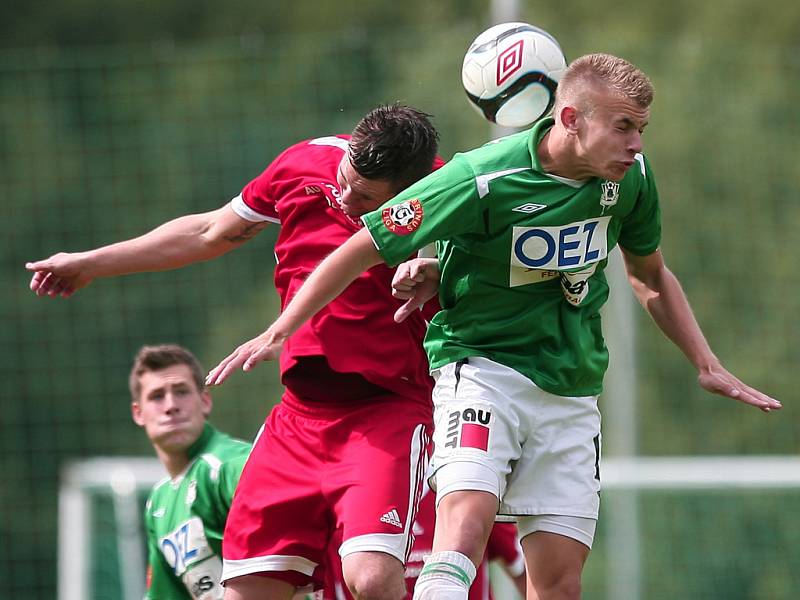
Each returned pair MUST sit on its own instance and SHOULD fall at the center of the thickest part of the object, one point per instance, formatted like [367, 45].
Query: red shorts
[320, 472]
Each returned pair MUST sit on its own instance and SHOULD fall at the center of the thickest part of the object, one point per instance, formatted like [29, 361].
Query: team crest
[403, 218]
[609, 194]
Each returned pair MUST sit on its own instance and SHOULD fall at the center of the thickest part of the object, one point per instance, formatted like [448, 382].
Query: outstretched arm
[324, 284]
[182, 241]
[660, 293]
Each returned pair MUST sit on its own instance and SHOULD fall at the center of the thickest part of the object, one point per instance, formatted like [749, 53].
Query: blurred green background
[115, 117]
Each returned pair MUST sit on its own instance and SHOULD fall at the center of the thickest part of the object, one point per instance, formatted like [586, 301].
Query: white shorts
[496, 431]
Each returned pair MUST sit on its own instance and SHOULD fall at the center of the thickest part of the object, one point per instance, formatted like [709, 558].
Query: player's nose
[635, 143]
[171, 403]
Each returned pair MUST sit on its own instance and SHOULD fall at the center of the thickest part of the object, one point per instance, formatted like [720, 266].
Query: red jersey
[356, 332]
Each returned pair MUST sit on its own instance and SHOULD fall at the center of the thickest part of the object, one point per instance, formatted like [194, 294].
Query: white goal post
[124, 477]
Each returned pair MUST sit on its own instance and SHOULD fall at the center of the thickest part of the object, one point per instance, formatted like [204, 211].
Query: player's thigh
[278, 521]
[376, 484]
[477, 432]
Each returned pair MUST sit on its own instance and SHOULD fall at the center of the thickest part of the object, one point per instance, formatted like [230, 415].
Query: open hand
[62, 274]
[720, 381]
[266, 346]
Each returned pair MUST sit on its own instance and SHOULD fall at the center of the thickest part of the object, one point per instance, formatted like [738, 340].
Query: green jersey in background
[185, 518]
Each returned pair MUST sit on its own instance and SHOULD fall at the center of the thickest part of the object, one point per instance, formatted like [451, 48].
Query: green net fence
[100, 144]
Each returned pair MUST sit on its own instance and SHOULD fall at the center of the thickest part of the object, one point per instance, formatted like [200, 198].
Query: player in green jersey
[186, 511]
[523, 227]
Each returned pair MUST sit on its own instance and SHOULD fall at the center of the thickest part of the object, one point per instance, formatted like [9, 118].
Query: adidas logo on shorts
[392, 518]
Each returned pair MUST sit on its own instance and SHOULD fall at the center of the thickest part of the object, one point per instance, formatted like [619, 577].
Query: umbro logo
[160, 512]
[529, 208]
[392, 518]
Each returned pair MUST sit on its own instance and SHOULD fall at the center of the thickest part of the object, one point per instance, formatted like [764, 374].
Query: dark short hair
[156, 358]
[395, 143]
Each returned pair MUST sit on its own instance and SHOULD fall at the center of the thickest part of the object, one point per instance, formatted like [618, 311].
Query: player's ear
[136, 414]
[207, 402]
[568, 117]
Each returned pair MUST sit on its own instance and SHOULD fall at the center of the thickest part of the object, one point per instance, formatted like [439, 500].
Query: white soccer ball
[510, 73]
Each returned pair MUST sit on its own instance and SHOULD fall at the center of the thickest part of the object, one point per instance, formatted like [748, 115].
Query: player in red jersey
[344, 453]
[503, 547]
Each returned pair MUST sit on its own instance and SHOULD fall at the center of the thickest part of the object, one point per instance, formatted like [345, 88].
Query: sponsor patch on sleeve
[403, 218]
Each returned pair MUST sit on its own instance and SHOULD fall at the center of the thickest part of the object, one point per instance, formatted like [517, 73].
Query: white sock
[446, 576]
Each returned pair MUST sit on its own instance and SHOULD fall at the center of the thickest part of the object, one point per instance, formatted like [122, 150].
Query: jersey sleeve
[641, 228]
[440, 206]
[257, 201]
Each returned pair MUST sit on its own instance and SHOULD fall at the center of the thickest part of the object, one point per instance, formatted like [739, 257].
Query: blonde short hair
[606, 70]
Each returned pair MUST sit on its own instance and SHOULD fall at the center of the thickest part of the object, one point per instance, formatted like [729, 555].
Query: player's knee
[565, 587]
[470, 530]
[465, 520]
[376, 577]
[373, 586]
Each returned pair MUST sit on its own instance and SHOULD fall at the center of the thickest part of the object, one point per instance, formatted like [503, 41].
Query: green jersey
[522, 255]
[185, 517]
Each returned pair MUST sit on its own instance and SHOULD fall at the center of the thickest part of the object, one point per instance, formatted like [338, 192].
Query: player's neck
[557, 156]
[174, 462]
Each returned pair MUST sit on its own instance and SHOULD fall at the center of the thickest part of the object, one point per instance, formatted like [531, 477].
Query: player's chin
[351, 210]
[176, 443]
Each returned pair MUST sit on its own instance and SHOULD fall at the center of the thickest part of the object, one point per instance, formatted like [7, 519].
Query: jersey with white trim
[522, 255]
[185, 517]
[356, 333]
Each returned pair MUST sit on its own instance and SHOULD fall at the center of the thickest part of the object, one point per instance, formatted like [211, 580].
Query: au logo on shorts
[469, 428]
[403, 218]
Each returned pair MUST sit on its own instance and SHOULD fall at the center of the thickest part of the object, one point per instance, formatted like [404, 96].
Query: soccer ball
[510, 73]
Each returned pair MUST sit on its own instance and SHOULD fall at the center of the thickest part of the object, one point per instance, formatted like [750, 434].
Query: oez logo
[185, 545]
[562, 247]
